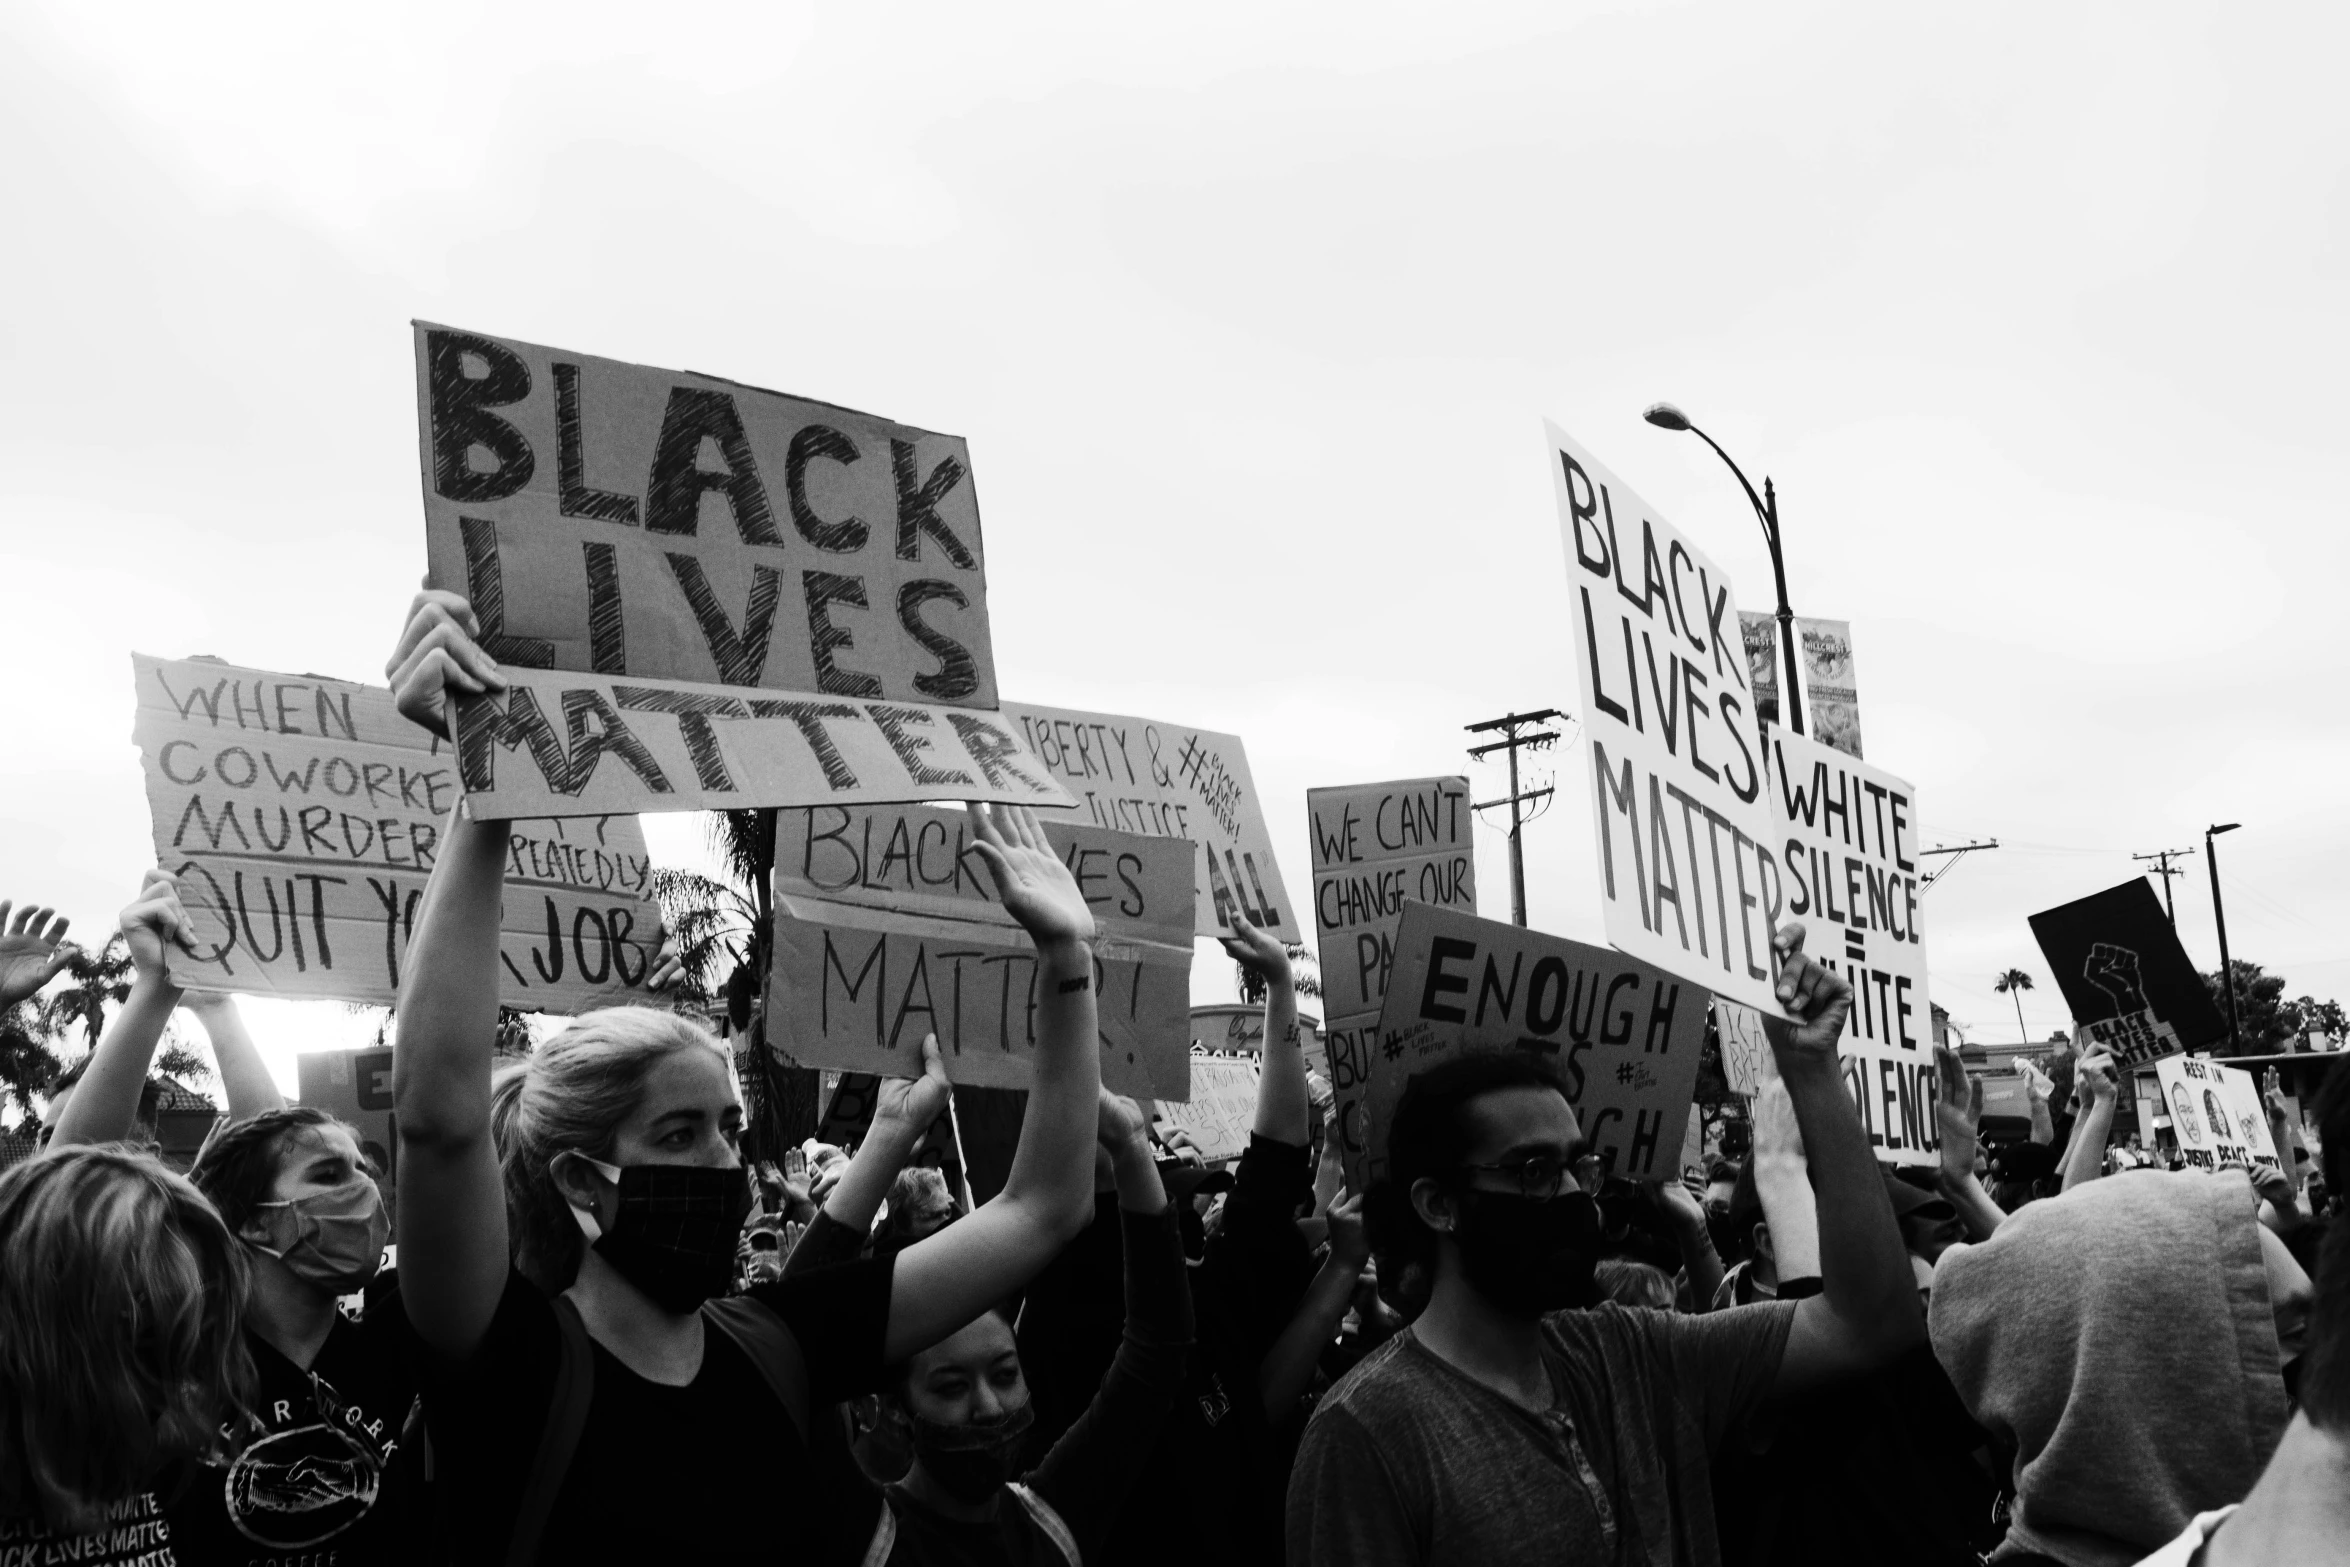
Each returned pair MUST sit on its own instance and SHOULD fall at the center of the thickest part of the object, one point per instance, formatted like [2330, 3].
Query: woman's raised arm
[452, 1216]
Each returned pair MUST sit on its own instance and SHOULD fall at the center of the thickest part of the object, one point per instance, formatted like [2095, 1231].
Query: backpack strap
[885, 1535]
[567, 1412]
[1048, 1522]
[772, 1347]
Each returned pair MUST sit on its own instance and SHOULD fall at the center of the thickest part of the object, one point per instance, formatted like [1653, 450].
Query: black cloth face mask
[971, 1462]
[1530, 1256]
[675, 1234]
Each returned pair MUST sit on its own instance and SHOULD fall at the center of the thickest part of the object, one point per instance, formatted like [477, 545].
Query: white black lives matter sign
[706, 596]
[1849, 871]
[1687, 867]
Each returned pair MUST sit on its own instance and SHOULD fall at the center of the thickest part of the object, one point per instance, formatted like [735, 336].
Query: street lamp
[2227, 972]
[1766, 510]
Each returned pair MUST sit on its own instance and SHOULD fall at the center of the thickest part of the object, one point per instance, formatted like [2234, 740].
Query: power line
[2162, 867]
[1957, 852]
[1517, 734]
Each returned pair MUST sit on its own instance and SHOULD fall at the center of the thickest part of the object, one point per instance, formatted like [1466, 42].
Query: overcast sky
[1251, 315]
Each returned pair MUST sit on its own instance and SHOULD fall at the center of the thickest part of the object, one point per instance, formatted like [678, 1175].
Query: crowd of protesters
[578, 1329]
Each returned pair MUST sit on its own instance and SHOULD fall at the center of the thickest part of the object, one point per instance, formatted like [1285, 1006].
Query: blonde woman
[588, 1396]
[120, 1355]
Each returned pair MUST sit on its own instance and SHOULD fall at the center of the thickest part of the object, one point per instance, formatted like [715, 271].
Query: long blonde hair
[571, 1095]
[122, 1301]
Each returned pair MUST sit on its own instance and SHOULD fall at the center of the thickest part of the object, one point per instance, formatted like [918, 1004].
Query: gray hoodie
[2121, 1337]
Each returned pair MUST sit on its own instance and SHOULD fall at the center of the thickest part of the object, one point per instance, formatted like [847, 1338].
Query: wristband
[1072, 987]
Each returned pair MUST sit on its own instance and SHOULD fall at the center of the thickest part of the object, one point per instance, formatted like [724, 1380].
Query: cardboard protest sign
[1623, 1035]
[1163, 780]
[644, 523]
[1375, 848]
[356, 1087]
[887, 928]
[1688, 874]
[2125, 976]
[1222, 1110]
[302, 814]
[1834, 702]
[2215, 1113]
[1746, 1052]
[1761, 635]
[670, 539]
[561, 744]
[1849, 862]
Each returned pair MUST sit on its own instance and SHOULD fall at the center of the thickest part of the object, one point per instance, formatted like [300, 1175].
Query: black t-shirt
[1217, 1465]
[135, 1534]
[713, 1471]
[311, 1481]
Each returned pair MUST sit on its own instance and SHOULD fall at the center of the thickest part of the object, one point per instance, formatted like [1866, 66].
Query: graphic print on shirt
[314, 1474]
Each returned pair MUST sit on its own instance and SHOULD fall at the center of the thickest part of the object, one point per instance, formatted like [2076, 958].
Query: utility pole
[2161, 859]
[1516, 735]
[1954, 851]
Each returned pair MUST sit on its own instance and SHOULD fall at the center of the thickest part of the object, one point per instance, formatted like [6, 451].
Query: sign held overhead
[2125, 976]
[1689, 879]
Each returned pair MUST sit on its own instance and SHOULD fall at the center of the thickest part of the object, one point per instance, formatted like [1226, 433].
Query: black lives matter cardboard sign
[2125, 976]
[1849, 872]
[887, 928]
[1377, 847]
[302, 816]
[1165, 780]
[1687, 866]
[1623, 1035]
[706, 596]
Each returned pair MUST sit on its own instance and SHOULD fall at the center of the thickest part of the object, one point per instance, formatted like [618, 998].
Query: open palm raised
[1030, 878]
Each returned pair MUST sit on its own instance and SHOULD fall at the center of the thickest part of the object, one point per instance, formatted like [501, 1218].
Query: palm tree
[27, 1067]
[2014, 983]
[730, 925]
[95, 979]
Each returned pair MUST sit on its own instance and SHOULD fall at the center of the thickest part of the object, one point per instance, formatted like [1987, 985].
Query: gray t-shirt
[1411, 1463]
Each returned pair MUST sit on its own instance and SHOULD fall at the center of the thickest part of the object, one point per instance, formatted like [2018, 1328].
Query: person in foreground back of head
[1505, 1427]
[120, 1358]
[2126, 1339]
[965, 1408]
[2299, 1511]
[568, 1225]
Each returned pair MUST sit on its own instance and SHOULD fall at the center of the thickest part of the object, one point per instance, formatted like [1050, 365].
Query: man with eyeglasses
[1520, 1421]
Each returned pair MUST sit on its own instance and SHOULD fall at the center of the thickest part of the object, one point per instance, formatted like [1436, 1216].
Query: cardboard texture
[616, 518]
[1623, 1035]
[1851, 876]
[1221, 1111]
[560, 744]
[1163, 780]
[301, 815]
[2215, 1113]
[1831, 695]
[1687, 870]
[1376, 847]
[2125, 976]
[887, 928]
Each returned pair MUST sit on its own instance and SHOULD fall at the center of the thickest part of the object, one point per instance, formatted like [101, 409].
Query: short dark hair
[239, 1165]
[1431, 1137]
[1723, 1170]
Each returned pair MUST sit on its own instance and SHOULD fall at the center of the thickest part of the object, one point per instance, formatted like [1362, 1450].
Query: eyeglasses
[1540, 1177]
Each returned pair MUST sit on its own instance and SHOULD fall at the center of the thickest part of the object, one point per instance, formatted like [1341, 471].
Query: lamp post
[1766, 510]
[2227, 972]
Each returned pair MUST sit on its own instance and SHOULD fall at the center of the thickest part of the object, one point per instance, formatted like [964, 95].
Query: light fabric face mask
[333, 1239]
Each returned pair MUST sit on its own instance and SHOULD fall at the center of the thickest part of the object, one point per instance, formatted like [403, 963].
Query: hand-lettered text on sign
[1163, 780]
[1688, 876]
[303, 815]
